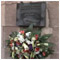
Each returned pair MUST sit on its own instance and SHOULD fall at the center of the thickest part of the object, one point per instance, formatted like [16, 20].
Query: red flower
[43, 53]
[22, 32]
[26, 50]
[37, 49]
[36, 36]
[11, 41]
[11, 45]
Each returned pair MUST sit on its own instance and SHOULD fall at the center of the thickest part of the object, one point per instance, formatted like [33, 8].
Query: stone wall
[8, 15]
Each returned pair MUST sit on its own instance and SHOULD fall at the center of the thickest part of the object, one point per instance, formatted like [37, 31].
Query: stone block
[53, 8]
[47, 30]
[10, 15]
[3, 15]
[55, 35]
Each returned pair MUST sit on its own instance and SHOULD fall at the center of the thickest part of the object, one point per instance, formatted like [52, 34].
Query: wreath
[29, 44]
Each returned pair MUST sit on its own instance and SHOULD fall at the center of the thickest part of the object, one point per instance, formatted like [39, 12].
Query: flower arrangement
[29, 44]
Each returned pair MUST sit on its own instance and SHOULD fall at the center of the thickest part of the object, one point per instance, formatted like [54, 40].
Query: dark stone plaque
[28, 13]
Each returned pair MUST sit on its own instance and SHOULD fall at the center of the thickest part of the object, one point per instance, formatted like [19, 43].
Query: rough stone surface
[10, 15]
[55, 35]
[55, 56]
[3, 14]
[47, 30]
[55, 39]
[53, 8]
[5, 33]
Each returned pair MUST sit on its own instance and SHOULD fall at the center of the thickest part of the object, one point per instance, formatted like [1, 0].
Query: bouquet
[29, 44]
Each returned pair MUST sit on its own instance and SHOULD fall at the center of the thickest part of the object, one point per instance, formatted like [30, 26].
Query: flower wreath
[29, 44]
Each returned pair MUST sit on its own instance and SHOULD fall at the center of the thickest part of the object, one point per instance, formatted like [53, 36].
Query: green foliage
[30, 28]
[14, 34]
[44, 37]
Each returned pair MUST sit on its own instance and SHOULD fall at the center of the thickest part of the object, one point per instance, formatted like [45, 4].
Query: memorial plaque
[28, 13]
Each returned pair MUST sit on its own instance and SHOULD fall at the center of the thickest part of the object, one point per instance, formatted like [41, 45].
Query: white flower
[16, 38]
[19, 33]
[33, 38]
[13, 44]
[37, 52]
[27, 41]
[38, 44]
[28, 34]
[21, 38]
[25, 46]
[12, 48]
[46, 44]
[32, 42]
[16, 48]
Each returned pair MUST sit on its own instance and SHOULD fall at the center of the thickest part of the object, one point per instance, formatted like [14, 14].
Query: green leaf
[48, 44]
[14, 34]
[30, 28]
[44, 37]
